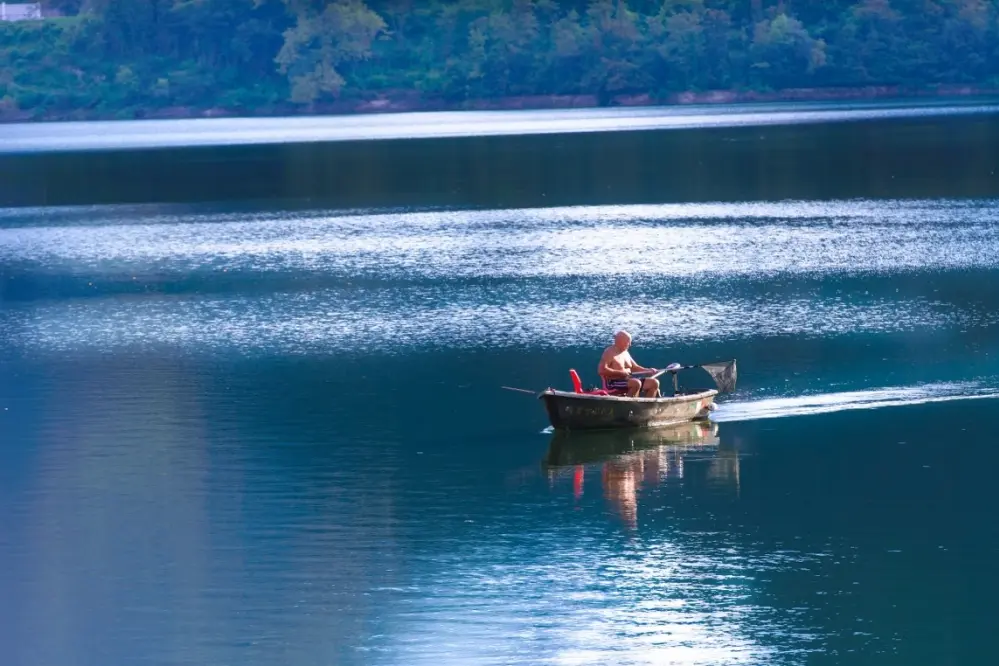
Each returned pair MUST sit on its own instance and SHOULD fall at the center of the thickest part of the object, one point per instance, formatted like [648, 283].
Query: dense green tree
[783, 53]
[323, 40]
[128, 57]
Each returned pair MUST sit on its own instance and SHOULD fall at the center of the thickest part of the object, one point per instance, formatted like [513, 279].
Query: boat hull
[579, 411]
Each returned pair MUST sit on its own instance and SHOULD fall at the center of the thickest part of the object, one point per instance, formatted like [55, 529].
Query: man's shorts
[619, 385]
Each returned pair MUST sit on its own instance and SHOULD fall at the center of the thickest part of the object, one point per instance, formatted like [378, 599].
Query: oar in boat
[519, 390]
[672, 368]
[722, 372]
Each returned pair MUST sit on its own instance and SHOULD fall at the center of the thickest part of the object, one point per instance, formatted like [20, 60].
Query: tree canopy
[123, 56]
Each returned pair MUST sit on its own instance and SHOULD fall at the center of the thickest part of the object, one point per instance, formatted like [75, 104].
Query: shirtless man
[617, 369]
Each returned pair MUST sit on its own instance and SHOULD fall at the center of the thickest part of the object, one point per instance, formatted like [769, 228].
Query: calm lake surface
[260, 433]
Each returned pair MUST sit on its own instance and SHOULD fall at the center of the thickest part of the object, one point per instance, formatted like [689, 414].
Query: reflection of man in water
[617, 368]
[621, 489]
[623, 478]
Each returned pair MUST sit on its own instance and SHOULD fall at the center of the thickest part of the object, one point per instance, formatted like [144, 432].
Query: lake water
[258, 433]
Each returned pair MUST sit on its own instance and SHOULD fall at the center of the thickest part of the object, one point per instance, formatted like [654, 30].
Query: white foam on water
[771, 408]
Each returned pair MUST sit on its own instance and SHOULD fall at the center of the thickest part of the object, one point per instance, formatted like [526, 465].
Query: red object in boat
[577, 385]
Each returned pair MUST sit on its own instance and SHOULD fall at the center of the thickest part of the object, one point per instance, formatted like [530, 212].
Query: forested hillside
[134, 58]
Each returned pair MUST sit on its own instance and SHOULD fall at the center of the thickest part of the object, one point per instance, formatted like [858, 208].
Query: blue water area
[256, 433]
[515, 159]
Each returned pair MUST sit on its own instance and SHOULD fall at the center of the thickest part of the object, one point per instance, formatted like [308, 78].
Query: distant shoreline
[409, 102]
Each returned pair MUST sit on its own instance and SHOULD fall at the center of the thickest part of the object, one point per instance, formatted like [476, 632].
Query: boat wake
[771, 408]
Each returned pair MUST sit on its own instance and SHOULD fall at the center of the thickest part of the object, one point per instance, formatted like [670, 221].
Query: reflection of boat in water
[582, 448]
[630, 460]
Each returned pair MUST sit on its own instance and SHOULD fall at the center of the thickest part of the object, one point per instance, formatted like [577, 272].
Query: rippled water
[265, 436]
[549, 277]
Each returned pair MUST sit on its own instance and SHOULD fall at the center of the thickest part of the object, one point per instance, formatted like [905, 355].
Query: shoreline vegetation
[413, 103]
[157, 59]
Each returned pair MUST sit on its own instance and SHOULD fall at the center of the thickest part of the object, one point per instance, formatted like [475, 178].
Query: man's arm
[638, 368]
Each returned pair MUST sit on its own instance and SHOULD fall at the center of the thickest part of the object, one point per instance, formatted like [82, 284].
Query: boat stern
[704, 408]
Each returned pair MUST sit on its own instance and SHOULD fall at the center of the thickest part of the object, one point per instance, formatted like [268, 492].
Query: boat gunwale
[689, 397]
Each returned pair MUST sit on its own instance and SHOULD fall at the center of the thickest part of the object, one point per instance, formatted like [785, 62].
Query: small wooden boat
[583, 411]
[596, 410]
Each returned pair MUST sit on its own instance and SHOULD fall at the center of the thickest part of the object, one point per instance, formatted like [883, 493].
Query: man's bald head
[622, 340]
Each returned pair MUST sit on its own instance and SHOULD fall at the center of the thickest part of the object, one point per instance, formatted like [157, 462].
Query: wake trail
[771, 408]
